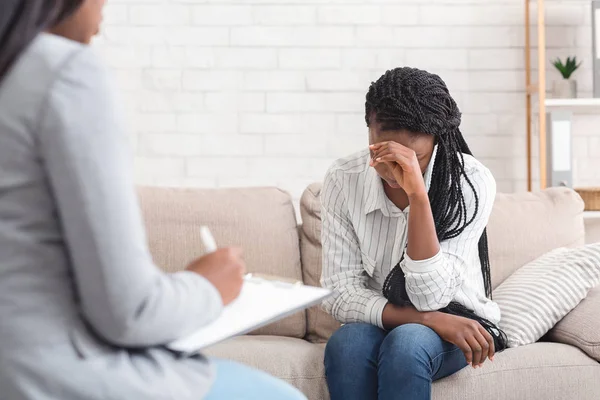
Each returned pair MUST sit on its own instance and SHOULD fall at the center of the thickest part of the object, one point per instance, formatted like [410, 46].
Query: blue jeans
[237, 382]
[365, 362]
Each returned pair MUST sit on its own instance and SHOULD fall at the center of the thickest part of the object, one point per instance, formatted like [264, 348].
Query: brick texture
[242, 93]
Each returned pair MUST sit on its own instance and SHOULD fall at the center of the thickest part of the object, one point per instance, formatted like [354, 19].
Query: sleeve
[432, 284]
[343, 272]
[83, 146]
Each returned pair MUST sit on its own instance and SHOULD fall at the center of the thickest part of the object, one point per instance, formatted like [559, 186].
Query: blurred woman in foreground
[84, 310]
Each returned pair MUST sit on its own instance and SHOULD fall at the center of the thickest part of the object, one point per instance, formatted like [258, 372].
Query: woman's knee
[284, 391]
[277, 389]
[410, 342]
[354, 341]
[238, 381]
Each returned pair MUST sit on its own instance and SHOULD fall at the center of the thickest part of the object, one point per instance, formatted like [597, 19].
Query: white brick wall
[264, 92]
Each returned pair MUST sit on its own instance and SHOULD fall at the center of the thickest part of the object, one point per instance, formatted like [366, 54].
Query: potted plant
[567, 87]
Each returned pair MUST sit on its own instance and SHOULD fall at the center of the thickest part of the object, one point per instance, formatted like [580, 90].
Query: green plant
[566, 69]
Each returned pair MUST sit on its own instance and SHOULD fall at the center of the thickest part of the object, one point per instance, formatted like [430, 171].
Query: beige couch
[263, 222]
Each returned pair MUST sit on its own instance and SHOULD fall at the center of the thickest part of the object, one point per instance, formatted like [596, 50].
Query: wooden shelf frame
[539, 87]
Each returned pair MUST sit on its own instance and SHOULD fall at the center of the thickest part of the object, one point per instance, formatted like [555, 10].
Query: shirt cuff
[375, 311]
[423, 266]
[210, 303]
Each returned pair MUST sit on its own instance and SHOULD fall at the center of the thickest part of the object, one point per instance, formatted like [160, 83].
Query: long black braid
[417, 101]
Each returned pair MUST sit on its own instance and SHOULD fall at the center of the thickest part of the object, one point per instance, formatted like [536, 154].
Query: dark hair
[22, 20]
[419, 102]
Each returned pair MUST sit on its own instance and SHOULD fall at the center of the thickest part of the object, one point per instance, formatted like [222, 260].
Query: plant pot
[564, 89]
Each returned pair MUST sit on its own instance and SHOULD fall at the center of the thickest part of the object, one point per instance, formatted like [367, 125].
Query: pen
[210, 245]
[208, 241]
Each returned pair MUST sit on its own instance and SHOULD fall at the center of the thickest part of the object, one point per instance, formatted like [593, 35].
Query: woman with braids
[84, 311]
[405, 248]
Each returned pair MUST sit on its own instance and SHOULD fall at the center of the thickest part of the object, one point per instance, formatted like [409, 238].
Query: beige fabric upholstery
[581, 327]
[320, 325]
[260, 220]
[542, 371]
[294, 360]
[592, 230]
[524, 226]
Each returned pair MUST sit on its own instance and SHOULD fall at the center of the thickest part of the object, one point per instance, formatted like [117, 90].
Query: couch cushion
[320, 325]
[294, 360]
[581, 327]
[542, 371]
[260, 220]
[523, 226]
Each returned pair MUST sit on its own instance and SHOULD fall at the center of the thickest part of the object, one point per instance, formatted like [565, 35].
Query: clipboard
[261, 302]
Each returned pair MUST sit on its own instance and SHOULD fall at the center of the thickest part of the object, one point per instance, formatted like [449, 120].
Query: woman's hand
[403, 163]
[466, 334]
[225, 269]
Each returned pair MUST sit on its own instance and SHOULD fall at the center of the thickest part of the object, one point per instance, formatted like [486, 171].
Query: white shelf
[582, 105]
[591, 215]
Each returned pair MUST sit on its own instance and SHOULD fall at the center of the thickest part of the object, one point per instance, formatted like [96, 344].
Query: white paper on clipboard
[260, 303]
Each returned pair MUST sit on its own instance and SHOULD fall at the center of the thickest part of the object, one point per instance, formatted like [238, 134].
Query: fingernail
[379, 159]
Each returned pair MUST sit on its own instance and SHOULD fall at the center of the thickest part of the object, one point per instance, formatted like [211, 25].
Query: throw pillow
[543, 292]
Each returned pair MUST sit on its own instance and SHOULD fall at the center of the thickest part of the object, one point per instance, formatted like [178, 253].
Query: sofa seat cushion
[262, 221]
[294, 360]
[541, 371]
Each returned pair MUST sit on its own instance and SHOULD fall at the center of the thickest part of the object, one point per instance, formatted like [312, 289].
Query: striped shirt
[364, 236]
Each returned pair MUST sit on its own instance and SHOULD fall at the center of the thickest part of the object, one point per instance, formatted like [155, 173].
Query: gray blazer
[83, 309]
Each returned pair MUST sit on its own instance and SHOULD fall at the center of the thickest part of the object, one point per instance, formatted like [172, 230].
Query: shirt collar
[374, 197]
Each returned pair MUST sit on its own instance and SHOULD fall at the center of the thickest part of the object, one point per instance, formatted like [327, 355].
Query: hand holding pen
[224, 268]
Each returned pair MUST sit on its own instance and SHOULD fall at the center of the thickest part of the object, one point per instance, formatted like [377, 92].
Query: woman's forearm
[394, 316]
[422, 237]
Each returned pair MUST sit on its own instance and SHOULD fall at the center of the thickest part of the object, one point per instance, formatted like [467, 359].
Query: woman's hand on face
[403, 163]
[475, 342]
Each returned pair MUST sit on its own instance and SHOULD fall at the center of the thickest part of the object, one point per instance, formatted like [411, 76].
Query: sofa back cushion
[522, 227]
[262, 221]
[320, 325]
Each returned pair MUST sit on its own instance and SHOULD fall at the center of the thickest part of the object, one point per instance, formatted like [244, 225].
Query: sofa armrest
[581, 327]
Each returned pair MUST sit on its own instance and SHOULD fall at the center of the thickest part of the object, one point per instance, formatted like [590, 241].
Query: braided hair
[417, 101]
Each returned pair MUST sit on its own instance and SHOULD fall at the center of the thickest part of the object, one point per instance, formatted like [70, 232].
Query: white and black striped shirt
[364, 236]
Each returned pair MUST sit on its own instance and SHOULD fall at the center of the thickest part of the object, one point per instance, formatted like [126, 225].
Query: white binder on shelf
[596, 45]
[260, 303]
